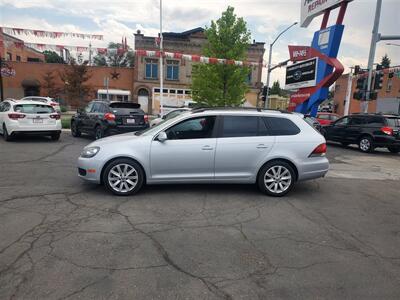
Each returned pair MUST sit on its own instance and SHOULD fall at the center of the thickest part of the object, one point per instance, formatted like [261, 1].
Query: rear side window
[33, 108]
[377, 121]
[393, 122]
[357, 121]
[239, 126]
[281, 126]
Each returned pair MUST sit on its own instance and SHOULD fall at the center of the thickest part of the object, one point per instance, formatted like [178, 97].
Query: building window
[172, 70]
[33, 59]
[248, 78]
[389, 85]
[9, 56]
[337, 88]
[18, 58]
[151, 70]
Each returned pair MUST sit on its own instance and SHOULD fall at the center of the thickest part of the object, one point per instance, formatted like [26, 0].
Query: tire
[7, 137]
[129, 183]
[270, 178]
[55, 136]
[75, 130]
[394, 149]
[366, 144]
[98, 132]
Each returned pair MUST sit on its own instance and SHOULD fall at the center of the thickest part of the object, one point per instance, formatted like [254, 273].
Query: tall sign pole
[161, 65]
[372, 49]
[348, 93]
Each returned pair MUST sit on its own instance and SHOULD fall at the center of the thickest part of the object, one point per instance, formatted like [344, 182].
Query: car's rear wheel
[394, 149]
[55, 136]
[98, 132]
[75, 130]
[7, 137]
[366, 144]
[276, 178]
[123, 177]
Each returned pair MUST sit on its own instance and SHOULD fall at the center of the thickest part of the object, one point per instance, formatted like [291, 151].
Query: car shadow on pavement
[31, 139]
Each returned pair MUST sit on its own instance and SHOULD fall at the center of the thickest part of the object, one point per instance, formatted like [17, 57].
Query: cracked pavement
[62, 238]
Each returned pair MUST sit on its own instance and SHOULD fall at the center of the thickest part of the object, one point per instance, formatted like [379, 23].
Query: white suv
[47, 100]
[28, 117]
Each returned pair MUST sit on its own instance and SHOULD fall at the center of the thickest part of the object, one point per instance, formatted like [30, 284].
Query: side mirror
[162, 137]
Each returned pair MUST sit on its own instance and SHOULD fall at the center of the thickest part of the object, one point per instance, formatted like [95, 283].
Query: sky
[265, 19]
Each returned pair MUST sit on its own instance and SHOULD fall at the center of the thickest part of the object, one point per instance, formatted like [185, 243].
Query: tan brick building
[388, 99]
[178, 73]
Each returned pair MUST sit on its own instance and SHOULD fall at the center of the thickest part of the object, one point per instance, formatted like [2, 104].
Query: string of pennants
[147, 53]
[50, 34]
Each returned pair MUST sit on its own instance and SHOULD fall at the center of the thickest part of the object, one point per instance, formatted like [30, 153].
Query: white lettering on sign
[300, 53]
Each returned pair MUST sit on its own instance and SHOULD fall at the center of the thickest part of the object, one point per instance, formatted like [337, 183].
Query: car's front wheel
[123, 177]
[276, 178]
[394, 149]
[366, 144]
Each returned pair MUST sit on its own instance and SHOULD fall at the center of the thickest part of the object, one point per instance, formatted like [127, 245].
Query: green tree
[52, 57]
[49, 85]
[74, 77]
[223, 84]
[385, 62]
[276, 88]
[115, 57]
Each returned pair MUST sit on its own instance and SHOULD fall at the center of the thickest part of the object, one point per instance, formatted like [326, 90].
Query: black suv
[101, 118]
[369, 131]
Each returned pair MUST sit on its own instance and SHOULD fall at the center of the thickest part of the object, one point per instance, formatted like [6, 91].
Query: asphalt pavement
[62, 238]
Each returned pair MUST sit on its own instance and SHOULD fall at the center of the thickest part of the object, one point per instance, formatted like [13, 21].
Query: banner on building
[302, 74]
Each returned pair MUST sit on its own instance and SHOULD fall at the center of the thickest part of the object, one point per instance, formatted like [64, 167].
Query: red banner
[298, 53]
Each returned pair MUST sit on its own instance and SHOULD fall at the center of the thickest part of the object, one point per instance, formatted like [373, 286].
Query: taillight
[53, 104]
[319, 151]
[146, 118]
[387, 130]
[55, 116]
[15, 116]
[109, 117]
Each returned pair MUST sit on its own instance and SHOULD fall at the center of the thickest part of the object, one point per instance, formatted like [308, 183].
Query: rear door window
[33, 108]
[239, 126]
[356, 121]
[393, 122]
[281, 126]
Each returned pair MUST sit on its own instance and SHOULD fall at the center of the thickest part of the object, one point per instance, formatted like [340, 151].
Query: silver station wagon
[272, 149]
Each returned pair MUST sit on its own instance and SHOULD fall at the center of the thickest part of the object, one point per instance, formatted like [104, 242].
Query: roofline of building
[22, 41]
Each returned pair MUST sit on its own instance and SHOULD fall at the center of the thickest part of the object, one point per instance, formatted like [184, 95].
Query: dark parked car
[101, 118]
[368, 131]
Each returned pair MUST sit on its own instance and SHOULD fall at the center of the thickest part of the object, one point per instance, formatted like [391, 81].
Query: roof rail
[206, 108]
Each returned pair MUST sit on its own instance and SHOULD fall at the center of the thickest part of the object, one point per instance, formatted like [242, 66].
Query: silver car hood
[115, 139]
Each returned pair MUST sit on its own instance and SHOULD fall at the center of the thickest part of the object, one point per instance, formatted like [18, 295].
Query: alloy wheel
[123, 178]
[365, 144]
[277, 179]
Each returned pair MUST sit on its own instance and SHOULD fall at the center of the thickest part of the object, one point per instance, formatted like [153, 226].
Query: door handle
[207, 147]
[262, 146]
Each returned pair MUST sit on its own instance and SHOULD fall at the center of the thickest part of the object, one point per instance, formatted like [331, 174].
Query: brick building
[13, 49]
[178, 73]
[388, 100]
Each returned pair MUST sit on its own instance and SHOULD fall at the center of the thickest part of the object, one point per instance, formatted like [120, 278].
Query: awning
[30, 83]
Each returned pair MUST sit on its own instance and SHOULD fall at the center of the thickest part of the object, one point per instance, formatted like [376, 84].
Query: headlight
[90, 152]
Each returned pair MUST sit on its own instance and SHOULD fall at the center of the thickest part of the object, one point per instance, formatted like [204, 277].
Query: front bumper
[90, 169]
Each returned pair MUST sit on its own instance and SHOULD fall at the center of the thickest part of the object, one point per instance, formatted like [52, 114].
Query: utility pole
[374, 40]
[348, 93]
[161, 65]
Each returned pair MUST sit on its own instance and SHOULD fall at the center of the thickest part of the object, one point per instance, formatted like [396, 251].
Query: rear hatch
[34, 115]
[128, 113]
[394, 122]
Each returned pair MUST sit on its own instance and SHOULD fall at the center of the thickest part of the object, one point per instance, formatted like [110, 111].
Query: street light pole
[161, 65]
[269, 63]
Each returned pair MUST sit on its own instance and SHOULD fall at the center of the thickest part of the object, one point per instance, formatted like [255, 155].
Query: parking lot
[62, 238]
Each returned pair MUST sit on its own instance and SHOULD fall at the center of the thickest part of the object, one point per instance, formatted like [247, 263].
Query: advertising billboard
[313, 8]
[302, 74]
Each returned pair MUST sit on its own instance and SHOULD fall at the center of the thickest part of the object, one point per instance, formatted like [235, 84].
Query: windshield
[33, 109]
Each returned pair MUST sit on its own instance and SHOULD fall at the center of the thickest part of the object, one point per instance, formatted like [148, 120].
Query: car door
[336, 130]
[2, 107]
[353, 131]
[242, 145]
[95, 115]
[188, 153]
[83, 116]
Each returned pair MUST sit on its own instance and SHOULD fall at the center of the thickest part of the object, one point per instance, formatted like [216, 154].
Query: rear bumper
[385, 141]
[37, 132]
[14, 127]
[116, 129]
[315, 167]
